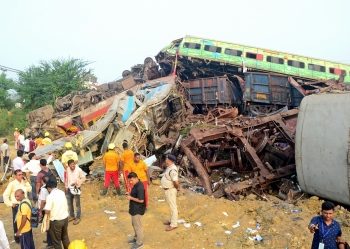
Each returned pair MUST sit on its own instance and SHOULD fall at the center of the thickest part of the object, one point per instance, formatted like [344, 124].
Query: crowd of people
[34, 190]
[35, 185]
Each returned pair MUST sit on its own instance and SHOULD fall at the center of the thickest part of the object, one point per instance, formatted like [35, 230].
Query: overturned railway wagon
[198, 56]
[140, 115]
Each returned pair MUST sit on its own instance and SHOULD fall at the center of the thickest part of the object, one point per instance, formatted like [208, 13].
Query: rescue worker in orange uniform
[111, 160]
[140, 168]
[127, 159]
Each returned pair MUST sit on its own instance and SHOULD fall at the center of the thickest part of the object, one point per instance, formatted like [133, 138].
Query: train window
[297, 64]
[255, 56]
[211, 48]
[275, 60]
[233, 52]
[318, 68]
[337, 71]
[250, 55]
[192, 45]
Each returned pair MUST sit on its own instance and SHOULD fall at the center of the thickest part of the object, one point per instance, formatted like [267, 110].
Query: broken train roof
[128, 105]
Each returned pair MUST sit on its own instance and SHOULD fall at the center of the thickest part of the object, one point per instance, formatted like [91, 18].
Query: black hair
[70, 161]
[327, 205]
[46, 179]
[5, 140]
[43, 162]
[125, 144]
[171, 157]
[132, 175]
[20, 153]
[137, 154]
[16, 171]
[31, 155]
[51, 183]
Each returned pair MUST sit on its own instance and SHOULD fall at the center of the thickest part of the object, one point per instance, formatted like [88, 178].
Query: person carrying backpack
[23, 221]
[19, 182]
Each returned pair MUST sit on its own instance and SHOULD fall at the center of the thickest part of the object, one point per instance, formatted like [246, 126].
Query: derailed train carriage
[260, 81]
[140, 115]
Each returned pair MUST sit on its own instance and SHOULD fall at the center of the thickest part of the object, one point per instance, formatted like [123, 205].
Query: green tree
[6, 84]
[41, 85]
[10, 119]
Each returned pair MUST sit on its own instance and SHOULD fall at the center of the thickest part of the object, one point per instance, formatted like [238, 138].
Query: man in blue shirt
[327, 231]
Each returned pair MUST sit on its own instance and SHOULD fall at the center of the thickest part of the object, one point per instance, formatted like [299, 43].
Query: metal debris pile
[242, 154]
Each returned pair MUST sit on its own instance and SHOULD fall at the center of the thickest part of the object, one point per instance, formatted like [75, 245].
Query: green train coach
[254, 59]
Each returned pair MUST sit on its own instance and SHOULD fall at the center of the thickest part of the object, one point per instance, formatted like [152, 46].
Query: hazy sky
[117, 34]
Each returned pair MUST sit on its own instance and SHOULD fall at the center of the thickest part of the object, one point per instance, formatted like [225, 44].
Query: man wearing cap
[47, 140]
[56, 208]
[111, 162]
[170, 184]
[68, 155]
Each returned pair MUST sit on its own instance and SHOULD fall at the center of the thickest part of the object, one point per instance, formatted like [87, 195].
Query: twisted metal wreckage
[227, 153]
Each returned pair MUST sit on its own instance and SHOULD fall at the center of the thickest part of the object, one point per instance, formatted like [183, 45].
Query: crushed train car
[140, 115]
[76, 111]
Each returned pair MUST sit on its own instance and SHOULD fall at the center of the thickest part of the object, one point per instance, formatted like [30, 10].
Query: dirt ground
[283, 225]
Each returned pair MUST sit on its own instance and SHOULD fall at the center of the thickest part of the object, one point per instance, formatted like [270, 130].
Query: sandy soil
[283, 225]
[280, 226]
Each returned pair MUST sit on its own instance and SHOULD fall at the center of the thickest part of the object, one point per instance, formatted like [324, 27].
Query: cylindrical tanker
[322, 146]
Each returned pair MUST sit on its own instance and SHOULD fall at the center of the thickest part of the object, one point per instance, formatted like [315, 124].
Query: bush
[15, 118]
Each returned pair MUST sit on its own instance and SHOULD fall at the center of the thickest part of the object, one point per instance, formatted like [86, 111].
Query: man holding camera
[19, 182]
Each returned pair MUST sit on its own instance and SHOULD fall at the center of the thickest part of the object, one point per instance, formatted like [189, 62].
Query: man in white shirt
[26, 144]
[32, 168]
[41, 204]
[4, 152]
[18, 162]
[19, 182]
[57, 210]
[75, 178]
[20, 141]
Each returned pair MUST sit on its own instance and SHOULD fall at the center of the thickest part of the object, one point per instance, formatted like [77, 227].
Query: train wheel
[126, 73]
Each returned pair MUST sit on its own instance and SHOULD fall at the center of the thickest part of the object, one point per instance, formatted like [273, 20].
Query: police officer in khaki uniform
[170, 184]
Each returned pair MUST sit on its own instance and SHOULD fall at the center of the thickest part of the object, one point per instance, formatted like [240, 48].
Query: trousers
[76, 199]
[170, 197]
[127, 184]
[111, 175]
[59, 233]
[14, 213]
[137, 225]
[33, 183]
[145, 186]
[27, 241]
